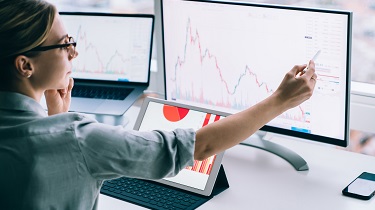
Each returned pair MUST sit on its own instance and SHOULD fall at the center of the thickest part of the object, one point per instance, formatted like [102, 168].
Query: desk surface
[262, 180]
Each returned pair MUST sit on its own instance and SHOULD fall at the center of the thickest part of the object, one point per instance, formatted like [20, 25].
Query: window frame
[362, 107]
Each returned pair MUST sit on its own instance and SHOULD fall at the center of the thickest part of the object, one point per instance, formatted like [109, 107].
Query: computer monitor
[231, 55]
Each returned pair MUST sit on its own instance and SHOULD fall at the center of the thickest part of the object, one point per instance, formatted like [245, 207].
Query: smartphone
[363, 187]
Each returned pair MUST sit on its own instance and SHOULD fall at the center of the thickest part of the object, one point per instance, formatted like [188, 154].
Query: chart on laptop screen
[233, 57]
[111, 47]
[172, 117]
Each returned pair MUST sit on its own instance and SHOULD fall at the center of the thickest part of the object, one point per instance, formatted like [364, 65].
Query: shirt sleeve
[112, 151]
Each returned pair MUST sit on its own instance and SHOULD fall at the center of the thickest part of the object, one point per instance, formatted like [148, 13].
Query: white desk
[263, 181]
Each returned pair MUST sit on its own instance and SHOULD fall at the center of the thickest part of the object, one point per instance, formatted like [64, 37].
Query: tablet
[159, 114]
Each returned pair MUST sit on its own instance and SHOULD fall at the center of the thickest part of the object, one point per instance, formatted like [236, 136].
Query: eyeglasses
[70, 47]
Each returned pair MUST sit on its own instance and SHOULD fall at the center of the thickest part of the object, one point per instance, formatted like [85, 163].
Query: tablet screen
[163, 115]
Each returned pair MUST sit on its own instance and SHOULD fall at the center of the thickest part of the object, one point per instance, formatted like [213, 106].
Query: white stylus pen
[314, 58]
[307, 67]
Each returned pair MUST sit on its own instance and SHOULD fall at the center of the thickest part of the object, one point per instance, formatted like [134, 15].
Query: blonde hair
[25, 24]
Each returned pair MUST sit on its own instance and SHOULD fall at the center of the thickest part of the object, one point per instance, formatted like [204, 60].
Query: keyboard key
[179, 206]
[115, 93]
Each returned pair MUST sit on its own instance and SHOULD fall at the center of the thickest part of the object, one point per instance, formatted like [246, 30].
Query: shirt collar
[20, 102]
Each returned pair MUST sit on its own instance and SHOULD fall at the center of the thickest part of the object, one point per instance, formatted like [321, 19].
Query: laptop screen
[111, 47]
[165, 115]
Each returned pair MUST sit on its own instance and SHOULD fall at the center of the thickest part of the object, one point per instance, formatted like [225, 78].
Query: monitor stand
[257, 141]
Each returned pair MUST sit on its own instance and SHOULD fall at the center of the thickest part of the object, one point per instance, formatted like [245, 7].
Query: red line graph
[90, 59]
[192, 40]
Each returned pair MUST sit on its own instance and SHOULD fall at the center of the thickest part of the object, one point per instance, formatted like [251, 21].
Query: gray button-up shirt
[60, 161]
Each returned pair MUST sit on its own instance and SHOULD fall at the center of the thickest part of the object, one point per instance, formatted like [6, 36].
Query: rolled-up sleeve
[112, 151]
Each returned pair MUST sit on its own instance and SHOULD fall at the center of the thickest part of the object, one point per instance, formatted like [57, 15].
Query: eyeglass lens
[71, 48]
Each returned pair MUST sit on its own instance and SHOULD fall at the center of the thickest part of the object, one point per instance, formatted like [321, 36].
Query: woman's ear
[23, 66]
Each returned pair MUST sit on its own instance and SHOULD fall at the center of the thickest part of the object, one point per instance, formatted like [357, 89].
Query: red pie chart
[174, 114]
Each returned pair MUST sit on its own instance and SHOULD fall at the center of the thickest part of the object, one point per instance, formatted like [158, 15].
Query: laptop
[192, 186]
[114, 56]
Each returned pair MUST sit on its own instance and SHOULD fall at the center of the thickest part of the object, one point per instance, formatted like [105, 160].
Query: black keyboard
[151, 195]
[115, 93]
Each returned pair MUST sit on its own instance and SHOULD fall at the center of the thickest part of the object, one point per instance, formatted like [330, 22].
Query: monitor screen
[229, 56]
[111, 47]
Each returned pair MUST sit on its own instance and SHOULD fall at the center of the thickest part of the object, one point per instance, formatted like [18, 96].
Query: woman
[58, 160]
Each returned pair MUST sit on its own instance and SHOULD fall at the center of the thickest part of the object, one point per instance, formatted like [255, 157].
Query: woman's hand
[58, 101]
[296, 87]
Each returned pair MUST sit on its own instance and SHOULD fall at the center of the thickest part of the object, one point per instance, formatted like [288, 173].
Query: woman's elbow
[202, 152]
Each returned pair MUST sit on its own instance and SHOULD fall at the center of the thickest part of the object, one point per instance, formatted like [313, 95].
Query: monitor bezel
[312, 137]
